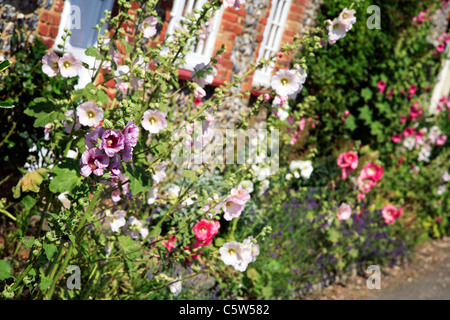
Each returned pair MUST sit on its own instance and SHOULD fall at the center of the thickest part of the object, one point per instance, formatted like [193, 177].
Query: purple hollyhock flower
[115, 165]
[92, 137]
[131, 133]
[93, 161]
[113, 141]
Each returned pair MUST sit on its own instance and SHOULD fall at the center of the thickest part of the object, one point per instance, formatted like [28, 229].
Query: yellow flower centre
[231, 251]
[345, 15]
[67, 64]
[284, 81]
[55, 65]
[90, 114]
[93, 166]
[109, 142]
[152, 120]
[203, 229]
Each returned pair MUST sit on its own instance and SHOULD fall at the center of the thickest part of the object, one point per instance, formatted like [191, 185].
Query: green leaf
[139, 180]
[333, 235]
[103, 97]
[5, 270]
[350, 123]
[365, 114]
[191, 175]
[353, 253]
[27, 242]
[49, 249]
[65, 180]
[93, 52]
[367, 94]
[129, 246]
[45, 283]
[44, 112]
[28, 202]
[4, 64]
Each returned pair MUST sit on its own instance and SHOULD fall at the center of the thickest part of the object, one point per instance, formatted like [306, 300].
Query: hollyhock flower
[207, 76]
[403, 119]
[232, 210]
[348, 17]
[170, 244]
[416, 113]
[365, 184]
[409, 131]
[424, 153]
[115, 165]
[441, 140]
[390, 93]
[345, 212]
[396, 138]
[235, 254]
[240, 195]
[409, 143]
[119, 179]
[116, 220]
[348, 161]
[69, 125]
[131, 134]
[412, 90]
[113, 141]
[286, 82]
[251, 247]
[69, 65]
[148, 26]
[175, 287]
[302, 123]
[374, 171]
[301, 168]
[390, 213]
[93, 136]
[50, 65]
[441, 189]
[361, 196]
[120, 76]
[435, 132]
[205, 230]
[89, 114]
[247, 185]
[154, 121]
[445, 176]
[199, 92]
[263, 187]
[93, 161]
[135, 228]
[381, 86]
[152, 195]
[337, 30]
[160, 172]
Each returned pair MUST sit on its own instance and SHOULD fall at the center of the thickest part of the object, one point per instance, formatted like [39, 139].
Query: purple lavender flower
[113, 141]
[93, 161]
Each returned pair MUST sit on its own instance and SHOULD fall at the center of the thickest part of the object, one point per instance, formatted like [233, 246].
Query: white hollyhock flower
[154, 121]
[337, 30]
[149, 26]
[251, 249]
[348, 17]
[152, 197]
[345, 212]
[175, 287]
[89, 114]
[50, 64]
[445, 176]
[208, 74]
[306, 169]
[286, 82]
[134, 228]
[160, 172]
[441, 189]
[230, 253]
[69, 65]
[409, 143]
[116, 220]
[283, 114]
[263, 187]
[247, 185]
[174, 191]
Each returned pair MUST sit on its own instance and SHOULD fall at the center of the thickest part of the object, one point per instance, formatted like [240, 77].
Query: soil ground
[425, 277]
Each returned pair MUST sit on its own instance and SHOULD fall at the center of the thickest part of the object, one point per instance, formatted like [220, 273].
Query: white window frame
[98, 8]
[272, 39]
[200, 53]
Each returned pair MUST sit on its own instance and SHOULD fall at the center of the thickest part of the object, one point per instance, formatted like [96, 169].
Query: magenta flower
[381, 86]
[348, 161]
[93, 161]
[113, 141]
[396, 138]
[390, 213]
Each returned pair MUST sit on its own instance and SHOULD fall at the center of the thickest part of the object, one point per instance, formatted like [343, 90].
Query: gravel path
[426, 277]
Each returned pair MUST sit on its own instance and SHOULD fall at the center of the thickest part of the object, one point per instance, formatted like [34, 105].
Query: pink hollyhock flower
[240, 195]
[89, 114]
[440, 48]
[441, 140]
[415, 113]
[154, 121]
[373, 171]
[205, 230]
[381, 86]
[93, 161]
[131, 134]
[115, 165]
[391, 93]
[266, 97]
[348, 17]
[396, 138]
[403, 118]
[302, 123]
[149, 26]
[113, 141]
[409, 131]
[348, 161]
[232, 210]
[390, 213]
[199, 92]
[412, 90]
[293, 141]
[365, 184]
[69, 65]
[345, 212]
[170, 244]
[50, 65]
[361, 196]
